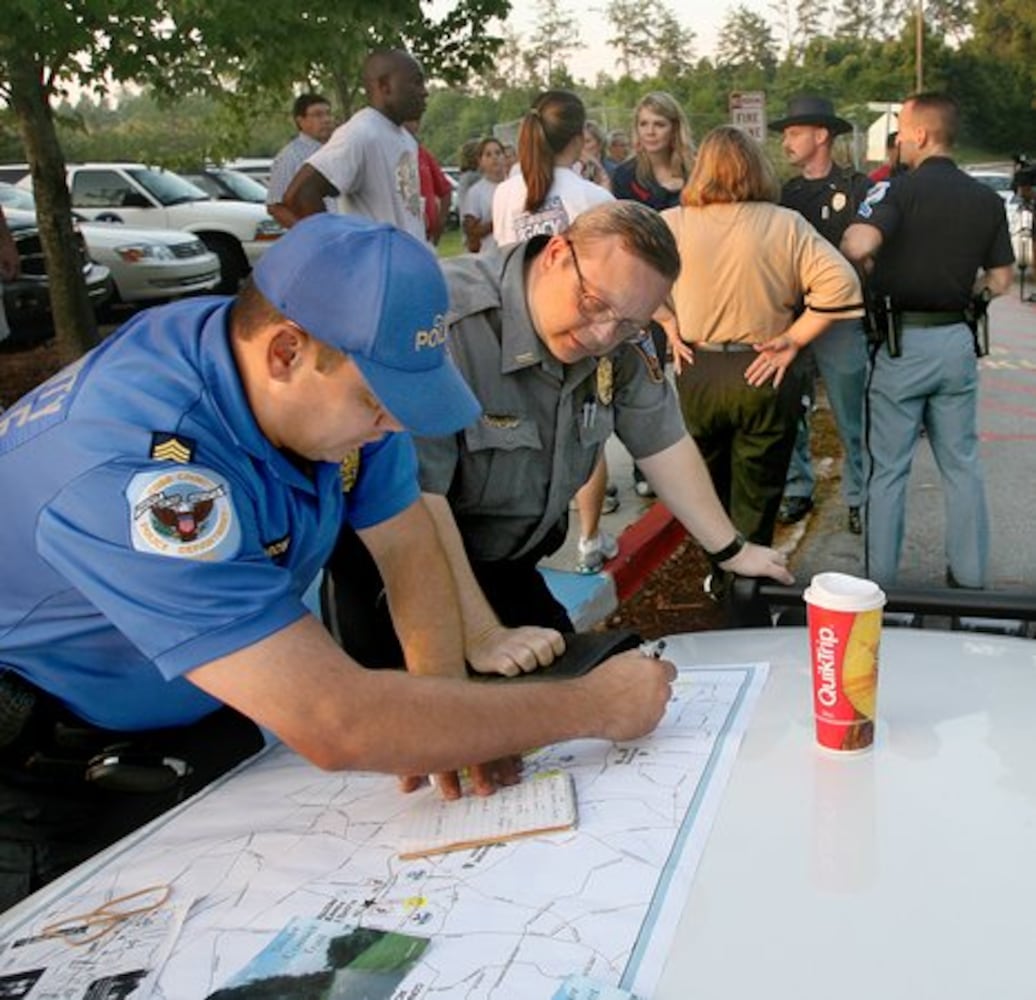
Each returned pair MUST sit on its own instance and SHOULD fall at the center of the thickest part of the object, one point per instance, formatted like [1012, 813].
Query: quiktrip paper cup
[844, 616]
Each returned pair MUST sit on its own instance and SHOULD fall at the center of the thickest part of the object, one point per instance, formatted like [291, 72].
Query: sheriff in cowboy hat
[808, 109]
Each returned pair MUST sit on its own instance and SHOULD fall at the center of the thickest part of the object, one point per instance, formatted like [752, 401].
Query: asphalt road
[1007, 431]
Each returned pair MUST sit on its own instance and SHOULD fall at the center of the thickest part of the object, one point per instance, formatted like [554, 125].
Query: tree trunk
[75, 325]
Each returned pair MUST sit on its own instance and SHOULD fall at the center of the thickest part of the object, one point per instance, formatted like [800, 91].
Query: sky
[703, 17]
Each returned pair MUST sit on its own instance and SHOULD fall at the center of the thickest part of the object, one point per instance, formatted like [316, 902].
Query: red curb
[643, 546]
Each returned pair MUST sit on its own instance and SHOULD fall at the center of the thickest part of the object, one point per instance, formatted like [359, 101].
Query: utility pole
[919, 48]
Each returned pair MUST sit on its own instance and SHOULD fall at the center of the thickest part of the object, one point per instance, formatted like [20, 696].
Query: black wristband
[728, 551]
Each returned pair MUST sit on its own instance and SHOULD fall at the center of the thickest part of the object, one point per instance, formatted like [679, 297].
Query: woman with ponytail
[542, 200]
[547, 194]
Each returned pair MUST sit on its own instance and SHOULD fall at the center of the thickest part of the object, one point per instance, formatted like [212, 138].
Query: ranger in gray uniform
[549, 337]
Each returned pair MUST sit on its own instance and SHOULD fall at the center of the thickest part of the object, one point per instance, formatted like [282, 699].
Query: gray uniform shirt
[510, 476]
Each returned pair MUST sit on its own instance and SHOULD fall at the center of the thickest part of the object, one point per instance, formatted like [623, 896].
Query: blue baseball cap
[379, 295]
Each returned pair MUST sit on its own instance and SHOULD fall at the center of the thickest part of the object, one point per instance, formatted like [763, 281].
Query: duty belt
[931, 318]
[42, 741]
[725, 346]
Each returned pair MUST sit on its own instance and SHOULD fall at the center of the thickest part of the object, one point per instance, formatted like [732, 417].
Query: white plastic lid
[842, 592]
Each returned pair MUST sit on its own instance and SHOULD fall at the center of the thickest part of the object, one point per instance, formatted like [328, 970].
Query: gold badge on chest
[605, 381]
[350, 469]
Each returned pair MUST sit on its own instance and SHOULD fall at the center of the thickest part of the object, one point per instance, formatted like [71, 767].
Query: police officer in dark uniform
[827, 195]
[929, 232]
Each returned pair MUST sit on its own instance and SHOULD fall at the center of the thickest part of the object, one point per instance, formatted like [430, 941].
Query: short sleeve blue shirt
[148, 527]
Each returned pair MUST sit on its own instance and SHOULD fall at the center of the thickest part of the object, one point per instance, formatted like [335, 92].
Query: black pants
[745, 434]
[52, 817]
[355, 607]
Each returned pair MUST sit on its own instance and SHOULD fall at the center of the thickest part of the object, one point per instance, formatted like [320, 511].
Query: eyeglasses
[597, 312]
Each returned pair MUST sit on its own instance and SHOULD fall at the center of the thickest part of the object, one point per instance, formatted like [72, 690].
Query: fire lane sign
[748, 111]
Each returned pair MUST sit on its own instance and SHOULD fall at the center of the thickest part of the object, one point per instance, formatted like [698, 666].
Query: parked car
[145, 264]
[1002, 182]
[27, 298]
[453, 216]
[11, 173]
[255, 166]
[237, 232]
[999, 180]
[232, 185]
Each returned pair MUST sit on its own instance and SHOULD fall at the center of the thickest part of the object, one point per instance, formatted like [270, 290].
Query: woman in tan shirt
[757, 284]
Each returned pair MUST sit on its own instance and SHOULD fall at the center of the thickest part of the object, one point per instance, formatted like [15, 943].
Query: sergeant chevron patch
[166, 447]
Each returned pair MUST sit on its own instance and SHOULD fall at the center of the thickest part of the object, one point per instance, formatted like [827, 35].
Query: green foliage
[230, 96]
[747, 44]
[555, 37]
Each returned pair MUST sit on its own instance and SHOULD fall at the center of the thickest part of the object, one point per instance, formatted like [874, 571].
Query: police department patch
[185, 513]
[874, 195]
[645, 347]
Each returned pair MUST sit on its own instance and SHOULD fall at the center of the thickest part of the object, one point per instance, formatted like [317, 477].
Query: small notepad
[540, 803]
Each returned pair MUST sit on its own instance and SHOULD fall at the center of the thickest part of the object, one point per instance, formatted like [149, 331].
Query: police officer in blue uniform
[827, 195]
[941, 250]
[164, 504]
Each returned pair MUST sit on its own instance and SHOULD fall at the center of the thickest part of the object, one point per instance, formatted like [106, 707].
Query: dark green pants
[745, 434]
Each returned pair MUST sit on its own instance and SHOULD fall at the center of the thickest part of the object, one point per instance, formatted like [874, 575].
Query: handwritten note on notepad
[540, 803]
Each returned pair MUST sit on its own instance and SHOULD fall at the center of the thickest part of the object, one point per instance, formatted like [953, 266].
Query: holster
[894, 333]
[41, 742]
[882, 324]
[976, 315]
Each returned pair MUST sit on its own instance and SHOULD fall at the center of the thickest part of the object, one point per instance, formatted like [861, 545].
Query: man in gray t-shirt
[370, 162]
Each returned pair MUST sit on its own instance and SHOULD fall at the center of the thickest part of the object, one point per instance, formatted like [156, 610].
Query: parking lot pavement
[1007, 436]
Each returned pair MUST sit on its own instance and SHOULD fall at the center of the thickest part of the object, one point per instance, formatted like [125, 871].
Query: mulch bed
[22, 370]
[672, 599]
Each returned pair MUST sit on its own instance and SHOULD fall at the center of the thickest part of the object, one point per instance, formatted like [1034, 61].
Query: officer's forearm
[477, 615]
[681, 479]
[860, 241]
[420, 589]
[811, 325]
[997, 279]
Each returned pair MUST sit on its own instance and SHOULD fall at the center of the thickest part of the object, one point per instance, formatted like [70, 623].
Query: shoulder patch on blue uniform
[167, 447]
[185, 512]
[874, 195]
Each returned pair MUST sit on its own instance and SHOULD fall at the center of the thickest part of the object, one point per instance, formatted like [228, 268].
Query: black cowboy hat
[809, 110]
